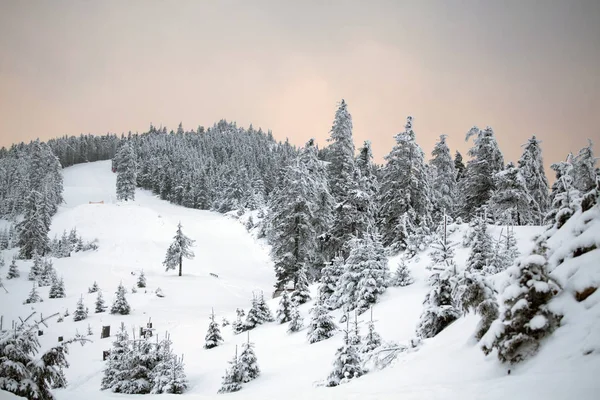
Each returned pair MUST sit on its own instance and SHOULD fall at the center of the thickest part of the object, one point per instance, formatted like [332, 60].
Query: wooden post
[105, 332]
[60, 338]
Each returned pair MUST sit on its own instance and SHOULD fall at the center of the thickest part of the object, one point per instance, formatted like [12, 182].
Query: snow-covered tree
[178, 250]
[296, 320]
[81, 312]
[34, 296]
[301, 294]
[125, 163]
[168, 375]
[564, 198]
[341, 153]
[94, 288]
[329, 280]
[459, 166]
[321, 325]
[372, 339]
[117, 365]
[284, 310]
[238, 324]
[100, 305]
[402, 276]
[23, 370]
[511, 203]
[346, 365]
[258, 314]
[472, 292]
[525, 318]
[531, 167]
[584, 169]
[37, 268]
[404, 195]
[213, 335]
[232, 381]
[247, 362]
[33, 229]
[120, 304]
[486, 160]
[443, 185]
[481, 248]
[141, 282]
[13, 270]
[57, 290]
[439, 310]
[505, 252]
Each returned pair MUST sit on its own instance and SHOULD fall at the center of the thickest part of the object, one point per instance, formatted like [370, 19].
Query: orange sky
[531, 67]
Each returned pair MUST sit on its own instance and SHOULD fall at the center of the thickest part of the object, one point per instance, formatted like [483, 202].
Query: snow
[134, 236]
[538, 322]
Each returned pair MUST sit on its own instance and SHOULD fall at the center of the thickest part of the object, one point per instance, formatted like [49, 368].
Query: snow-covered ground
[135, 236]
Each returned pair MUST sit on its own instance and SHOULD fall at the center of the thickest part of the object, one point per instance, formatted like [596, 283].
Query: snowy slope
[135, 236]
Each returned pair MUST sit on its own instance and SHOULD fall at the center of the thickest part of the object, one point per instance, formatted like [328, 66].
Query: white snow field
[134, 236]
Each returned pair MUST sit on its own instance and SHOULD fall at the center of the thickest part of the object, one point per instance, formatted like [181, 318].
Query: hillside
[134, 236]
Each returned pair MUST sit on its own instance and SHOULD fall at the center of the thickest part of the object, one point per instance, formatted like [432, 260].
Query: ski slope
[134, 236]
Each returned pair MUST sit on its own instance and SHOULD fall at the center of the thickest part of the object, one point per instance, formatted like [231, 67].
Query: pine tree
[36, 269]
[402, 276]
[13, 270]
[95, 288]
[238, 324]
[178, 250]
[23, 370]
[263, 309]
[48, 274]
[120, 305]
[100, 305]
[347, 364]
[258, 314]
[89, 330]
[531, 166]
[301, 294]
[459, 166]
[321, 325]
[117, 365]
[329, 280]
[57, 290]
[233, 376]
[444, 179]
[284, 312]
[439, 310]
[213, 336]
[33, 230]
[405, 194]
[565, 198]
[525, 318]
[168, 375]
[341, 150]
[126, 172]
[472, 292]
[511, 202]
[248, 364]
[296, 320]
[141, 282]
[81, 312]
[372, 338]
[481, 249]
[584, 169]
[34, 296]
[486, 161]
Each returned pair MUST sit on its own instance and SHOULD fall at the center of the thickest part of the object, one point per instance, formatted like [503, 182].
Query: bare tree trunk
[180, 264]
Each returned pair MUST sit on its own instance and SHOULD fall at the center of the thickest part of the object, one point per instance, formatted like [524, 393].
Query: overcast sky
[522, 67]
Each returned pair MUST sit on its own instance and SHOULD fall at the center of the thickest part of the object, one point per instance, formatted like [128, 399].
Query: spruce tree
[141, 282]
[472, 292]
[321, 325]
[247, 361]
[258, 314]
[95, 288]
[100, 305]
[525, 318]
[13, 270]
[301, 294]
[444, 179]
[213, 336]
[341, 151]
[296, 320]
[126, 172]
[372, 339]
[584, 169]
[48, 274]
[531, 167]
[232, 381]
[329, 280]
[404, 195]
[57, 290]
[120, 305]
[117, 365]
[511, 203]
[238, 324]
[81, 312]
[284, 312]
[178, 250]
[168, 375]
[564, 198]
[486, 160]
[402, 276]
[33, 229]
[481, 249]
[459, 166]
[346, 365]
[37, 268]
[439, 310]
[263, 309]
[34, 296]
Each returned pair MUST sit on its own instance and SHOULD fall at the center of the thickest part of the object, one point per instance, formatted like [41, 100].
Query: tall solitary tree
[179, 249]
[531, 166]
[125, 163]
[444, 179]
